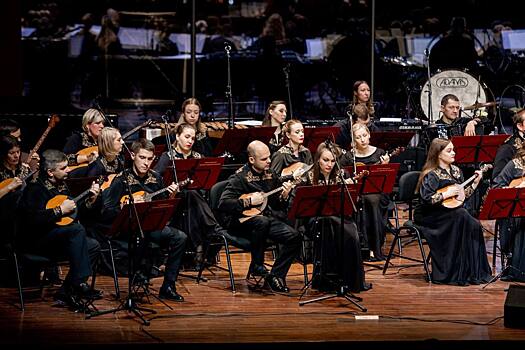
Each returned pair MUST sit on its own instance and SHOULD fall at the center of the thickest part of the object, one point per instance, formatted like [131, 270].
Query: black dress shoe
[170, 293]
[276, 284]
[258, 270]
[84, 290]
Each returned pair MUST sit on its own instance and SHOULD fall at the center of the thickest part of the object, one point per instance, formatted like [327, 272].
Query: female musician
[346, 260]
[362, 96]
[275, 116]
[374, 205]
[191, 110]
[109, 147]
[512, 229]
[202, 221]
[294, 151]
[455, 237]
[92, 124]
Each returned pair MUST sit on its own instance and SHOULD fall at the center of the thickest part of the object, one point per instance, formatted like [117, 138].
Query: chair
[407, 189]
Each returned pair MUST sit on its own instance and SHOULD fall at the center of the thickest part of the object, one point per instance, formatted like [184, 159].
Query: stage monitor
[513, 40]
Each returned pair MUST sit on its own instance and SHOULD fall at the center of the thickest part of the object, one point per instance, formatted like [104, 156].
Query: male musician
[141, 178]
[450, 116]
[44, 236]
[507, 151]
[256, 178]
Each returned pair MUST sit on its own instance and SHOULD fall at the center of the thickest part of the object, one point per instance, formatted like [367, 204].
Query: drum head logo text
[452, 82]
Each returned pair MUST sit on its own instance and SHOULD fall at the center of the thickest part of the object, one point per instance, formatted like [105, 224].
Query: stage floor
[409, 311]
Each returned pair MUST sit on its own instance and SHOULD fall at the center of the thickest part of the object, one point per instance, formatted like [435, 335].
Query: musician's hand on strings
[17, 182]
[470, 130]
[478, 178]
[173, 189]
[452, 191]
[95, 191]
[385, 158]
[287, 187]
[257, 198]
[68, 206]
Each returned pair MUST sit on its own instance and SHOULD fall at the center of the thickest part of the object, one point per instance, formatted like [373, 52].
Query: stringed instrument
[390, 154]
[517, 182]
[137, 128]
[57, 200]
[7, 182]
[108, 182]
[53, 121]
[147, 197]
[258, 209]
[84, 152]
[457, 201]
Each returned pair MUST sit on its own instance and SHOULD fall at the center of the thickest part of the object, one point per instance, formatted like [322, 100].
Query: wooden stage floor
[411, 314]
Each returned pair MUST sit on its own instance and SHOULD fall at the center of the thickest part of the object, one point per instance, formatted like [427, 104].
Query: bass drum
[456, 82]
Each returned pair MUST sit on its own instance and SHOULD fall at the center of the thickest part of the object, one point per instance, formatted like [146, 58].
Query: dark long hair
[336, 151]
[7, 143]
[267, 121]
[432, 162]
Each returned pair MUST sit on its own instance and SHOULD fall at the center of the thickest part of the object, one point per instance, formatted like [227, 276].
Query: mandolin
[6, 182]
[59, 199]
[517, 182]
[390, 154]
[147, 197]
[457, 201]
[84, 152]
[53, 121]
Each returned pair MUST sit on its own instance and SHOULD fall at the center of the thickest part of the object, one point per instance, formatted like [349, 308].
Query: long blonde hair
[90, 116]
[432, 161]
[106, 141]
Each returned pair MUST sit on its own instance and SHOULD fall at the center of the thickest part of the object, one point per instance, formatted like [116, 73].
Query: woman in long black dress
[514, 227]
[375, 206]
[342, 260]
[455, 237]
[294, 151]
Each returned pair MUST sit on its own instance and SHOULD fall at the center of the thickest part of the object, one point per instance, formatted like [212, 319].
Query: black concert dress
[284, 157]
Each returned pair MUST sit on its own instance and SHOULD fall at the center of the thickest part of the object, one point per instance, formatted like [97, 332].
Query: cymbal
[479, 105]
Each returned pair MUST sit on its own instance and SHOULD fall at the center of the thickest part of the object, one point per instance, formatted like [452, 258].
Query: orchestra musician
[507, 151]
[41, 234]
[275, 116]
[344, 261]
[459, 125]
[109, 147]
[87, 139]
[256, 178]
[294, 151]
[374, 205]
[455, 237]
[11, 127]
[141, 178]
[359, 115]
[512, 230]
[191, 114]
[362, 96]
[202, 221]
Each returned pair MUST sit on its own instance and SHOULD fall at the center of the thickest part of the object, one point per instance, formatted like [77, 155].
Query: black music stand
[320, 201]
[235, 141]
[151, 216]
[474, 149]
[503, 203]
[391, 139]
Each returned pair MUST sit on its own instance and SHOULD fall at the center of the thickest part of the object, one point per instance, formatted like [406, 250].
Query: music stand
[203, 171]
[321, 201]
[151, 216]
[475, 149]
[380, 178]
[235, 141]
[391, 139]
[502, 203]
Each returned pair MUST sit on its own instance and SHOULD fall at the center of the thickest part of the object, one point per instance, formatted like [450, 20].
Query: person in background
[275, 116]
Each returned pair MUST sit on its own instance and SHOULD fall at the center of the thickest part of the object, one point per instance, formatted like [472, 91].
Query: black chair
[407, 195]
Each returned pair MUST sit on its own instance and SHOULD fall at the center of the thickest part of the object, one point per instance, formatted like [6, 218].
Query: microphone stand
[169, 146]
[286, 70]
[429, 91]
[229, 96]
[129, 304]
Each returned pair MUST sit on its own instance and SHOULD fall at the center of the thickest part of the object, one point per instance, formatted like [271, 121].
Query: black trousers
[175, 241]
[71, 242]
[261, 228]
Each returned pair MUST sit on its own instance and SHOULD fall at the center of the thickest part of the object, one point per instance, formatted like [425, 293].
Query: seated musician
[256, 178]
[191, 114]
[202, 221]
[374, 205]
[275, 116]
[345, 262]
[455, 237]
[464, 126]
[11, 127]
[294, 152]
[508, 150]
[109, 147]
[512, 230]
[141, 178]
[360, 115]
[42, 235]
[92, 124]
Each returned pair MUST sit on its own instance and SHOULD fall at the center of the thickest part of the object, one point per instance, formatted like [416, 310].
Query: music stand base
[128, 305]
[499, 275]
[341, 293]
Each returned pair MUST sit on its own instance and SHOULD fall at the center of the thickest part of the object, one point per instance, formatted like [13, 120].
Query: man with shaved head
[256, 178]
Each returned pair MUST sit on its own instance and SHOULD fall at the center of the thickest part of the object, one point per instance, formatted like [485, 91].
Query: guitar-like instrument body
[147, 197]
[7, 182]
[457, 201]
[390, 154]
[84, 152]
[59, 199]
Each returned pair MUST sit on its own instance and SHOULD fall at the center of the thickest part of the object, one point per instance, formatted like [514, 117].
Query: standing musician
[450, 110]
[294, 151]
[375, 206]
[275, 116]
[109, 147]
[256, 178]
[508, 150]
[202, 221]
[512, 230]
[455, 237]
[92, 124]
[42, 234]
[141, 178]
[346, 260]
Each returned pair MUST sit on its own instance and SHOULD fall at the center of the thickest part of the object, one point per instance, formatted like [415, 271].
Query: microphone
[166, 115]
[427, 52]
[227, 46]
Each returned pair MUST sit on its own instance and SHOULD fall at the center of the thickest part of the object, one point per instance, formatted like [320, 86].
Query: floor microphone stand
[229, 95]
[134, 240]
